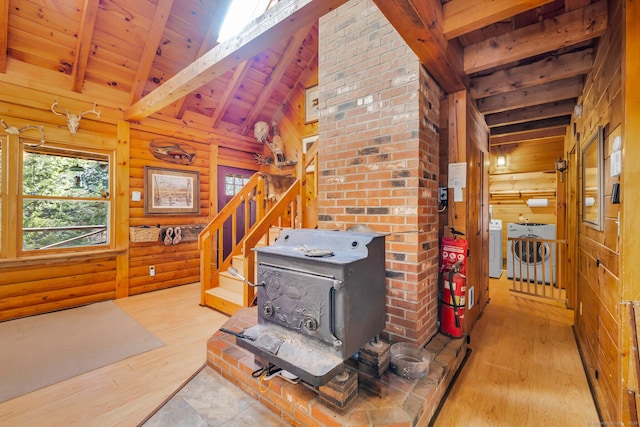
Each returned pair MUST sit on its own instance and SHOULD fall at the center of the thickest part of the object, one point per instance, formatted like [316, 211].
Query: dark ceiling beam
[464, 16]
[420, 25]
[564, 30]
[518, 128]
[551, 68]
[278, 22]
[536, 95]
[535, 112]
[546, 134]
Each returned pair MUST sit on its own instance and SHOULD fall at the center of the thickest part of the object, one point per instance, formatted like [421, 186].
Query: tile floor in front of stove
[209, 400]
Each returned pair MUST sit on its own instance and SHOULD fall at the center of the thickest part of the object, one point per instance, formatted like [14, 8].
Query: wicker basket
[143, 234]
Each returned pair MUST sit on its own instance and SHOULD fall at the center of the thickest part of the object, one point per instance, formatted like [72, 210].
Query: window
[233, 183]
[66, 199]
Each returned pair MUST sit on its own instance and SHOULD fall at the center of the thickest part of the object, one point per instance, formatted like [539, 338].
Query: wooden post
[122, 207]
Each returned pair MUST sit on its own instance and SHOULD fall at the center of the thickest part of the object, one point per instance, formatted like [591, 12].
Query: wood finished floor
[126, 392]
[524, 369]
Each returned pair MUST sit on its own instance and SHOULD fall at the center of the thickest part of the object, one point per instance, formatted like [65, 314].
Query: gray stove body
[321, 297]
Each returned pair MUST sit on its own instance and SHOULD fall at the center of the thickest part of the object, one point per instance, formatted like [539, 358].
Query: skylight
[240, 13]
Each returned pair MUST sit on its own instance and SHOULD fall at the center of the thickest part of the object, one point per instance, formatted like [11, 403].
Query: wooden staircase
[296, 208]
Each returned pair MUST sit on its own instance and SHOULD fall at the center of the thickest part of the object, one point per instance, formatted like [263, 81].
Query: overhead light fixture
[501, 161]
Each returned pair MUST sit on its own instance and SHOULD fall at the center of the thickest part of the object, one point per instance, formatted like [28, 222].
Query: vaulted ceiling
[524, 61]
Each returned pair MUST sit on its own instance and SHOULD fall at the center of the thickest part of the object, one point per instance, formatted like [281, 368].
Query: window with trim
[233, 183]
[65, 199]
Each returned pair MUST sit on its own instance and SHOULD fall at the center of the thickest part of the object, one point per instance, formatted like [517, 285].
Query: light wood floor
[524, 370]
[124, 393]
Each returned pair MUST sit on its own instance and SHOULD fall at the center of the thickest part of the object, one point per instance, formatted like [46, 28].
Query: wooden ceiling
[524, 61]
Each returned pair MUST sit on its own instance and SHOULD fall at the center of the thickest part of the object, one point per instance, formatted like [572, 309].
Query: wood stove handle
[337, 285]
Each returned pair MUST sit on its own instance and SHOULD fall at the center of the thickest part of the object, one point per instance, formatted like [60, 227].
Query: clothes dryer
[495, 248]
[537, 259]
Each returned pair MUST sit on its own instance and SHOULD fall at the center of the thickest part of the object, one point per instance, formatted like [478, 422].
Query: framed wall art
[311, 110]
[169, 191]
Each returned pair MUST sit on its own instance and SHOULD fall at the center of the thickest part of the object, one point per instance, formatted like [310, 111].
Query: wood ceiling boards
[523, 61]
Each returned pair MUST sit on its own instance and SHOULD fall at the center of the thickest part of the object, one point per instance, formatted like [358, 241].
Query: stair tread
[226, 294]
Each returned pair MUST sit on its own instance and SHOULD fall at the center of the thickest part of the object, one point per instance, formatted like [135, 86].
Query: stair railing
[296, 208]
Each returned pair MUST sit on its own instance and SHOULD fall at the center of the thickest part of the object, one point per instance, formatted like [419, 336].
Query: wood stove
[321, 297]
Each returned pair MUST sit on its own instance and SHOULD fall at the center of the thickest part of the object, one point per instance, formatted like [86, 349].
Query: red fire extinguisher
[454, 287]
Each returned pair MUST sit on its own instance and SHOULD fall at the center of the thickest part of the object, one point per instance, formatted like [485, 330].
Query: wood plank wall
[468, 141]
[598, 315]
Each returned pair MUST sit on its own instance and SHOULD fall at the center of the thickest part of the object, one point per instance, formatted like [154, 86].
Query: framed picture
[311, 110]
[169, 191]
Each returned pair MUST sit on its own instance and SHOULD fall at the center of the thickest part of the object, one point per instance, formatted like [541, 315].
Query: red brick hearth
[386, 401]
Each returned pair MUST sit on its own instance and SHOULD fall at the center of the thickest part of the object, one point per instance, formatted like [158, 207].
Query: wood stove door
[299, 301]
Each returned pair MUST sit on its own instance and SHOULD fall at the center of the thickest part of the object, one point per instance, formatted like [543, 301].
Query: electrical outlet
[152, 270]
[580, 308]
[442, 194]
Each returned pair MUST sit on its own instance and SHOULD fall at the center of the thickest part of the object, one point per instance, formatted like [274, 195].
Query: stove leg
[340, 391]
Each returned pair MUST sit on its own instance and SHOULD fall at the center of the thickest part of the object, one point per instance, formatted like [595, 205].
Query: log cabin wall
[599, 315]
[54, 282]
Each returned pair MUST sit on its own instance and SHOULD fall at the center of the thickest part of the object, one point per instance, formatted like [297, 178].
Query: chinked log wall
[36, 286]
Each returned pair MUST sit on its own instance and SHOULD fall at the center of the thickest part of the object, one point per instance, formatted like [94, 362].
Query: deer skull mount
[13, 130]
[73, 120]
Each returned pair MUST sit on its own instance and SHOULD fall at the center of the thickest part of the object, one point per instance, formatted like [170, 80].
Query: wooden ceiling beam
[232, 86]
[158, 24]
[463, 16]
[551, 68]
[535, 112]
[285, 60]
[83, 45]
[536, 95]
[518, 128]
[420, 25]
[564, 30]
[208, 42]
[279, 21]
[4, 34]
[528, 136]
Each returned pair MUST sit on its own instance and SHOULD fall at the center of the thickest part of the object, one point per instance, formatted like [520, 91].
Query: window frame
[110, 199]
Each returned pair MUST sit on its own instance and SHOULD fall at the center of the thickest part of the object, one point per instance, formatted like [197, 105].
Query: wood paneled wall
[468, 141]
[598, 315]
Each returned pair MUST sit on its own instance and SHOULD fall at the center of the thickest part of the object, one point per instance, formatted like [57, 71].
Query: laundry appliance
[531, 259]
[495, 248]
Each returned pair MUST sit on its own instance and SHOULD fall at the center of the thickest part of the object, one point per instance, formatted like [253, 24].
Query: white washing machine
[495, 248]
[538, 259]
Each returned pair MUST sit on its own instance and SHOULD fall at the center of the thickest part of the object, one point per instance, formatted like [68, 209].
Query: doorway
[230, 182]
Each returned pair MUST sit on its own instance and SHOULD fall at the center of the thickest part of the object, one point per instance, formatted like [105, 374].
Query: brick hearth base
[387, 401]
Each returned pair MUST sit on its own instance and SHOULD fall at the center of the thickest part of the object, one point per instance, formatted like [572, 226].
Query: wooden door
[230, 181]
